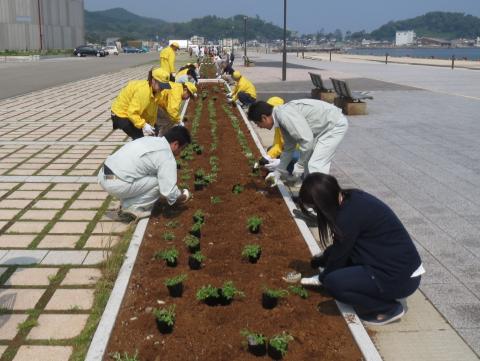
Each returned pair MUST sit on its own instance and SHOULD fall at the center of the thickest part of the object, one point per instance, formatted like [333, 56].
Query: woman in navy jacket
[372, 261]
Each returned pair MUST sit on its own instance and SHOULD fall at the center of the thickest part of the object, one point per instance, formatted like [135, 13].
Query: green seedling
[166, 314]
[191, 241]
[253, 338]
[117, 356]
[275, 293]
[172, 224]
[199, 216]
[198, 256]
[237, 189]
[207, 291]
[229, 291]
[299, 291]
[170, 254]
[254, 223]
[215, 199]
[168, 236]
[175, 280]
[280, 342]
[252, 250]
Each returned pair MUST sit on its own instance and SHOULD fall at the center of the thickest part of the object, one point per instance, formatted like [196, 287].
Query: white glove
[148, 129]
[272, 165]
[180, 124]
[229, 95]
[272, 178]
[229, 100]
[298, 171]
[185, 197]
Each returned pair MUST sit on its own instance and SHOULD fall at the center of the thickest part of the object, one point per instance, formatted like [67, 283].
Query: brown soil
[213, 333]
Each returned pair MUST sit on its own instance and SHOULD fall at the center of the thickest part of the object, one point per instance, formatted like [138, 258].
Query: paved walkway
[417, 150]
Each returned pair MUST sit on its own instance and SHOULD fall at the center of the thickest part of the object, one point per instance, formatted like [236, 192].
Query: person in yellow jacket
[188, 72]
[135, 108]
[167, 59]
[244, 90]
[170, 102]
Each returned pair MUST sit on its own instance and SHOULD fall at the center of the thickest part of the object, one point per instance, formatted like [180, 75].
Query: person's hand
[185, 197]
[229, 100]
[229, 95]
[272, 178]
[148, 129]
[272, 164]
[298, 171]
[180, 124]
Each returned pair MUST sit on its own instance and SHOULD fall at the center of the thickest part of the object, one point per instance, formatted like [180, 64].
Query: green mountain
[118, 22]
[434, 24]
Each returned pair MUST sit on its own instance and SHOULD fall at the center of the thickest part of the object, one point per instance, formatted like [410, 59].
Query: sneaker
[381, 319]
[311, 281]
[130, 215]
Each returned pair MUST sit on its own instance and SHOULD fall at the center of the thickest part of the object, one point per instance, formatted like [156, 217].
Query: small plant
[299, 291]
[175, 285]
[196, 230]
[169, 255]
[199, 216]
[199, 184]
[215, 199]
[172, 224]
[197, 148]
[256, 342]
[252, 252]
[185, 177]
[228, 292]
[254, 223]
[117, 356]
[237, 189]
[168, 236]
[195, 260]
[270, 297]
[192, 242]
[165, 318]
[278, 345]
[275, 293]
[209, 295]
[200, 174]
[52, 279]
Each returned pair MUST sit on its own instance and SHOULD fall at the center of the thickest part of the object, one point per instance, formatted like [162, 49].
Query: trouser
[164, 122]
[127, 126]
[325, 148]
[356, 286]
[140, 195]
[246, 99]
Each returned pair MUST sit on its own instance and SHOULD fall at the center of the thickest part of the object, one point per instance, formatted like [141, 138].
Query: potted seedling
[196, 230]
[175, 285]
[198, 184]
[199, 216]
[256, 342]
[165, 318]
[195, 260]
[208, 294]
[298, 290]
[197, 148]
[270, 297]
[192, 242]
[237, 189]
[252, 252]
[215, 199]
[209, 178]
[228, 292]
[179, 164]
[253, 224]
[278, 345]
[169, 255]
[199, 174]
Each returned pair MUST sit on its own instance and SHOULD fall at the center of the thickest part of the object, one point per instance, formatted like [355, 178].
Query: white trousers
[139, 195]
[324, 150]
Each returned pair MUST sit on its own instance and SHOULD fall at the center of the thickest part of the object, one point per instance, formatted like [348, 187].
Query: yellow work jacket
[182, 72]
[137, 103]
[167, 59]
[277, 147]
[246, 86]
[171, 100]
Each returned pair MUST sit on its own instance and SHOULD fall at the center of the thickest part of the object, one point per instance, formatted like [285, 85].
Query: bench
[320, 91]
[351, 102]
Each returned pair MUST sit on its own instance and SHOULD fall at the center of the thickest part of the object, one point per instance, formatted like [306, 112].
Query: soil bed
[209, 333]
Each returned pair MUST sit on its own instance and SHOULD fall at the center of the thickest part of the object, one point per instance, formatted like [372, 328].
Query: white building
[478, 41]
[403, 38]
[41, 24]
[197, 40]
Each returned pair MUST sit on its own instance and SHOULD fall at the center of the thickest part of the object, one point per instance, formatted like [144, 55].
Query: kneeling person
[144, 170]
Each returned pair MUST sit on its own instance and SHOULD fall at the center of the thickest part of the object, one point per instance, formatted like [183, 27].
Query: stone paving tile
[8, 214]
[19, 299]
[64, 257]
[49, 204]
[8, 325]
[81, 276]
[64, 194]
[2, 348]
[65, 300]
[31, 277]
[84, 215]
[53, 327]
[93, 195]
[95, 257]
[94, 187]
[39, 215]
[66, 187]
[16, 240]
[24, 195]
[23, 257]
[27, 227]
[69, 227]
[101, 241]
[34, 186]
[14, 203]
[85, 204]
[58, 241]
[110, 227]
[43, 353]
[472, 337]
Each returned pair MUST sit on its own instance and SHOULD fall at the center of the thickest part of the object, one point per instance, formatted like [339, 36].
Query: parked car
[129, 49]
[86, 50]
[111, 49]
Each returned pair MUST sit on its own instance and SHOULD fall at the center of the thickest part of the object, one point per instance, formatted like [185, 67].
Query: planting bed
[204, 332]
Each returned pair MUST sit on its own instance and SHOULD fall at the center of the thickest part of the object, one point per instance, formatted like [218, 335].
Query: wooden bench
[351, 103]
[320, 91]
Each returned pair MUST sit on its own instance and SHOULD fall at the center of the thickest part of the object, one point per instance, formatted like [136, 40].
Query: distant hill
[434, 24]
[121, 23]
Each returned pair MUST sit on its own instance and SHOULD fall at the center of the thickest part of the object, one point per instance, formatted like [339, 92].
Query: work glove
[180, 124]
[230, 101]
[298, 171]
[229, 95]
[148, 129]
[272, 178]
[185, 197]
[272, 164]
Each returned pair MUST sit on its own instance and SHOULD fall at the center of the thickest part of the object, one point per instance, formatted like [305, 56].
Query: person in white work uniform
[144, 171]
[316, 126]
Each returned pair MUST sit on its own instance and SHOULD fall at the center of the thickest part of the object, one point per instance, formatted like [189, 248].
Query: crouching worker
[244, 91]
[144, 171]
[135, 108]
[372, 261]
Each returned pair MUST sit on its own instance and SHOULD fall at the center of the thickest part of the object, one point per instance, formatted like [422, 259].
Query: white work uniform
[316, 126]
[146, 169]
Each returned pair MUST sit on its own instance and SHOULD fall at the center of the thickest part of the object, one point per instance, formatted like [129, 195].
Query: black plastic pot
[198, 177]
[212, 301]
[274, 353]
[269, 302]
[193, 263]
[176, 290]
[163, 327]
[252, 259]
[179, 166]
[172, 264]
[254, 230]
[257, 350]
[197, 234]
[193, 249]
[224, 301]
[198, 151]
[198, 187]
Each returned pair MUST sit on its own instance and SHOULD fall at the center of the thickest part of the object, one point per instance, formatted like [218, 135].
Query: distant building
[424, 41]
[403, 38]
[183, 43]
[477, 43]
[41, 24]
[197, 40]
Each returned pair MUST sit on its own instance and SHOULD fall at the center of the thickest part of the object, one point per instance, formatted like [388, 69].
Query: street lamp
[245, 40]
[284, 62]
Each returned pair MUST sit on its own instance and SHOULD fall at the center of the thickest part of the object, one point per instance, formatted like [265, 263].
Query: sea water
[432, 53]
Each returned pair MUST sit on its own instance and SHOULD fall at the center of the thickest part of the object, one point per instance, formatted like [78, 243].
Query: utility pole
[40, 24]
[284, 62]
[245, 40]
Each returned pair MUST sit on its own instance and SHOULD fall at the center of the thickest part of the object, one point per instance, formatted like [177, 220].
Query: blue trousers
[355, 286]
[246, 99]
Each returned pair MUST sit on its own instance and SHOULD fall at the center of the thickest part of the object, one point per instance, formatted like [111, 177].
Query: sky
[304, 16]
